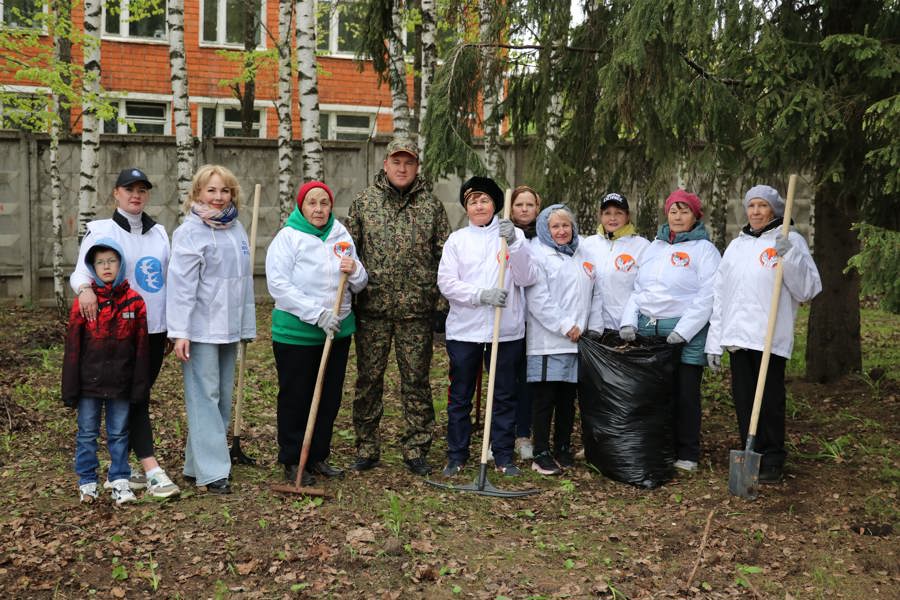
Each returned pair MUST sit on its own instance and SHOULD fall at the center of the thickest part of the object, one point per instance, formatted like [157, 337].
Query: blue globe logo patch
[148, 274]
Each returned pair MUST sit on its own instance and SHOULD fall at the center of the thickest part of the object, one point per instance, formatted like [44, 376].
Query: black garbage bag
[626, 395]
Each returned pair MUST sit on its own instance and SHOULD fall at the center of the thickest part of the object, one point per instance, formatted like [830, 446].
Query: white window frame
[124, 27]
[221, 22]
[334, 25]
[123, 129]
[45, 8]
[332, 111]
[220, 107]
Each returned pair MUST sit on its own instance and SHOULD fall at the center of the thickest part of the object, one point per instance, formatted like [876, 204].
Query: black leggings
[140, 432]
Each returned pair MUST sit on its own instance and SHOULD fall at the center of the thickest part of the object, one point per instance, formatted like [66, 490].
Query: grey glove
[675, 338]
[714, 361]
[493, 297]
[782, 244]
[628, 333]
[507, 230]
[329, 322]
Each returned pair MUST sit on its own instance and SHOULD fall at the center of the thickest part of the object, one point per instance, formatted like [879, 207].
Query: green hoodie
[290, 329]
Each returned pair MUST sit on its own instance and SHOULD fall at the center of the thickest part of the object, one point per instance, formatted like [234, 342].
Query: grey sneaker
[121, 492]
[686, 465]
[137, 481]
[509, 470]
[87, 492]
[453, 468]
[160, 486]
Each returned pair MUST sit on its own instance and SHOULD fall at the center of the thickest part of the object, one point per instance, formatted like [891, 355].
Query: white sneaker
[524, 448]
[121, 492]
[137, 481]
[160, 486]
[87, 492]
[686, 465]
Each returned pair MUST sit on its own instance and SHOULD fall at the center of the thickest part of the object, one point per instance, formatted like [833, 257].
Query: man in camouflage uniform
[399, 228]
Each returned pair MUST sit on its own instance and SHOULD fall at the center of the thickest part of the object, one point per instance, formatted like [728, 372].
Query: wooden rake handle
[773, 315]
[242, 349]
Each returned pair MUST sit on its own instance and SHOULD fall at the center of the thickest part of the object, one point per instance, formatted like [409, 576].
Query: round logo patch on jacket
[681, 259]
[588, 269]
[342, 249]
[148, 274]
[768, 258]
[624, 262]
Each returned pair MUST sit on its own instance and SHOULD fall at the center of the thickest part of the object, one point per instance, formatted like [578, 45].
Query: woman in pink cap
[673, 297]
[304, 264]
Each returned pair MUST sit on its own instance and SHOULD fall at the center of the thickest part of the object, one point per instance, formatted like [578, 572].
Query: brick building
[135, 71]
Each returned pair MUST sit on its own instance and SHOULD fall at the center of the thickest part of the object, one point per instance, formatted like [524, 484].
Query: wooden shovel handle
[773, 313]
[492, 371]
[242, 349]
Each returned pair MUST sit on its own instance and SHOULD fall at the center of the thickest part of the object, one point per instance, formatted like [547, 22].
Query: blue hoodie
[105, 244]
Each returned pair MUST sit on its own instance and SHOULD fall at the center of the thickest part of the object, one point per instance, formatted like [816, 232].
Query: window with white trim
[337, 26]
[139, 116]
[20, 13]
[225, 121]
[222, 21]
[148, 22]
[345, 126]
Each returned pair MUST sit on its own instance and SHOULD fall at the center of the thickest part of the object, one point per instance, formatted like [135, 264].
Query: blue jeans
[208, 386]
[86, 463]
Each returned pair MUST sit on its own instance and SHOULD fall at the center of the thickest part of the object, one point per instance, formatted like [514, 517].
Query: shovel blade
[743, 473]
[303, 491]
[482, 489]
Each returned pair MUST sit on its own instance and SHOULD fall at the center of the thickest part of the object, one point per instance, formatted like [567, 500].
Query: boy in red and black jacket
[107, 363]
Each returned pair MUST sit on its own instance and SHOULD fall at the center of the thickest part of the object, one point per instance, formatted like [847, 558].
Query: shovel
[743, 471]
[481, 485]
[314, 410]
[237, 455]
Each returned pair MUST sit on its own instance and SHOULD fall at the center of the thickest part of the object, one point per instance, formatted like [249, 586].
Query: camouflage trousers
[413, 348]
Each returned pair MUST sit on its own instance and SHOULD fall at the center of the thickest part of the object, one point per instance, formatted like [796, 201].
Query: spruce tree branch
[706, 74]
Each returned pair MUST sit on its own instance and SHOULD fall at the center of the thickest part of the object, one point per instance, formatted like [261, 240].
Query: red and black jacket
[108, 358]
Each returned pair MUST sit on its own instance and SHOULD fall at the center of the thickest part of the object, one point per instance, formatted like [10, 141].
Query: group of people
[380, 276]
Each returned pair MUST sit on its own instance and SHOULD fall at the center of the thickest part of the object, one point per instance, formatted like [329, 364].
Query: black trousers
[770, 429]
[549, 398]
[687, 412]
[140, 432]
[298, 367]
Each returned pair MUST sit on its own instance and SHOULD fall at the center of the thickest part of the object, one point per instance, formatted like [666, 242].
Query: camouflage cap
[403, 145]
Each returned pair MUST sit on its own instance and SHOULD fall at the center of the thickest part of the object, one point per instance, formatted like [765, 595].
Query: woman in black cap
[146, 247]
[467, 277]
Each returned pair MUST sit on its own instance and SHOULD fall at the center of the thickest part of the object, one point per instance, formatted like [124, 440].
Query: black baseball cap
[132, 175]
[616, 199]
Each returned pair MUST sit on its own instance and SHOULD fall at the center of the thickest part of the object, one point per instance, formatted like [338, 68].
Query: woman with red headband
[673, 297]
[304, 264]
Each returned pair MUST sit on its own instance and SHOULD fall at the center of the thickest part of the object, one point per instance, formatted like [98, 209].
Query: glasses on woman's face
[106, 262]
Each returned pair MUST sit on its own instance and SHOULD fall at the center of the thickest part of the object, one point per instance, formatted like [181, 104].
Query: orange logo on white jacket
[681, 259]
[588, 269]
[624, 262]
[342, 249]
[768, 258]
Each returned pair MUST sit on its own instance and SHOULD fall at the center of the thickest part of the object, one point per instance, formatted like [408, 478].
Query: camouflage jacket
[399, 238]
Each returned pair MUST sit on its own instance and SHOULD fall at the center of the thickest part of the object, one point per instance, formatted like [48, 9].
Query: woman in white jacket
[673, 296]
[615, 251]
[209, 309]
[741, 302]
[467, 277]
[559, 304]
[304, 264]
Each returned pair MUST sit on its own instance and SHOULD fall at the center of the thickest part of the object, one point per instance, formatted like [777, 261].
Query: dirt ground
[828, 531]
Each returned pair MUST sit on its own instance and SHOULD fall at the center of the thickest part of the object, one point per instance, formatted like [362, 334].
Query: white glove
[628, 333]
[493, 297]
[782, 244]
[329, 322]
[714, 361]
[675, 338]
[507, 230]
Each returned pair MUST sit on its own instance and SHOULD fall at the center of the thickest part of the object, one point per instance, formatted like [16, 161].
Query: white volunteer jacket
[616, 264]
[675, 280]
[743, 293]
[302, 272]
[210, 298]
[146, 262]
[566, 294]
[470, 263]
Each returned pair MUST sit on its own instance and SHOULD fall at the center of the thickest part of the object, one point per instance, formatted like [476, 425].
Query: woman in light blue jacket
[209, 310]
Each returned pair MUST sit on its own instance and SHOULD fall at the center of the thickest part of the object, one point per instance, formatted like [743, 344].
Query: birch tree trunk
[56, 206]
[399, 95]
[311, 148]
[184, 138]
[429, 63]
[283, 107]
[490, 89]
[90, 130]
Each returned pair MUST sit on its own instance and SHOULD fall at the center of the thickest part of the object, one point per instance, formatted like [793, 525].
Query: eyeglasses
[106, 262]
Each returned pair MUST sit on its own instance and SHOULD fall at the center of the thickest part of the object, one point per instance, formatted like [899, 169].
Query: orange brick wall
[144, 68]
